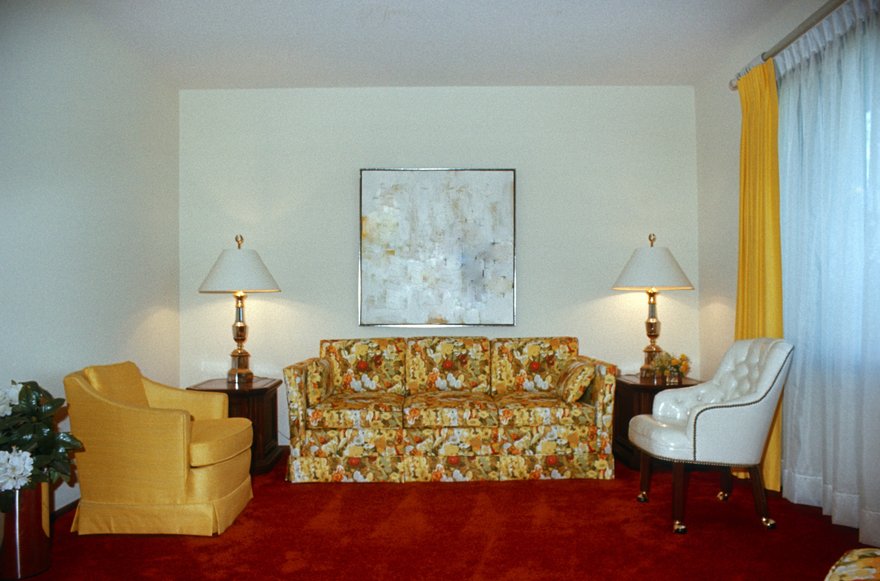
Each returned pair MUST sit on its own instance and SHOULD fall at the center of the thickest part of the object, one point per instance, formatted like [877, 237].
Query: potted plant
[34, 454]
[669, 369]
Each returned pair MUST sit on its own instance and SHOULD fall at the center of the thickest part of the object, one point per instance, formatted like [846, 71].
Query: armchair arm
[748, 417]
[201, 405]
[678, 403]
[131, 454]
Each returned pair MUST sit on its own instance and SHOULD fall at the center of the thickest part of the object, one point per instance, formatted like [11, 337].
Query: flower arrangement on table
[672, 368]
[32, 450]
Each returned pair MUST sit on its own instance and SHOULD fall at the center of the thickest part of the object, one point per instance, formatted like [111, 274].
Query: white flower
[8, 398]
[542, 384]
[15, 469]
[452, 380]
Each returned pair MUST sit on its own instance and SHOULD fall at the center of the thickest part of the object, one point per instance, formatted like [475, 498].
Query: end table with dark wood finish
[634, 396]
[257, 401]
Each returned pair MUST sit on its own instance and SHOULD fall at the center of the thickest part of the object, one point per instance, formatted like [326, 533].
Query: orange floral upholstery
[449, 409]
[447, 364]
[456, 409]
[542, 409]
[530, 364]
[360, 365]
[357, 410]
[856, 565]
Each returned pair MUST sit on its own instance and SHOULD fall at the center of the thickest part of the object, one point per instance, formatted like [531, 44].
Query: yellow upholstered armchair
[156, 459]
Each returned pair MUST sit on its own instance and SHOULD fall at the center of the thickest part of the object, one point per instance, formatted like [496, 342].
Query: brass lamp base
[241, 359]
[647, 371]
[240, 371]
[652, 329]
[240, 377]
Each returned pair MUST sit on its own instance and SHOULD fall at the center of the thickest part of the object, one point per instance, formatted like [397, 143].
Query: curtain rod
[814, 19]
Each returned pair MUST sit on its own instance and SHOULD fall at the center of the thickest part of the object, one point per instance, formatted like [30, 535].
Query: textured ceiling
[344, 43]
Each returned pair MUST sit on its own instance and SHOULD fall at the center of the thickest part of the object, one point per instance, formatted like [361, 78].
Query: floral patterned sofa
[449, 409]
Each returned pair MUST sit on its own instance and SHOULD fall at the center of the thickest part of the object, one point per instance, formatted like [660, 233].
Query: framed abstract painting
[437, 247]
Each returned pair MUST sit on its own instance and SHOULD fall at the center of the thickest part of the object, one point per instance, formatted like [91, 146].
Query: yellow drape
[759, 284]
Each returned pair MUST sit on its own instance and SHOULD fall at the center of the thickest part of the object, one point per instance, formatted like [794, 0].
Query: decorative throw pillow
[575, 381]
[120, 382]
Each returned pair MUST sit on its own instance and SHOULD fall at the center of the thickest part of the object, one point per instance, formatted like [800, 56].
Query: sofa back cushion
[530, 363]
[447, 364]
[366, 365]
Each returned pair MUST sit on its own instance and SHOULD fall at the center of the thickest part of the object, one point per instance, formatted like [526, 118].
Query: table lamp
[652, 269]
[239, 271]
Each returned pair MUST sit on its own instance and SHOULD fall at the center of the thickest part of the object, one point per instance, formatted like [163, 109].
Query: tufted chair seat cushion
[669, 436]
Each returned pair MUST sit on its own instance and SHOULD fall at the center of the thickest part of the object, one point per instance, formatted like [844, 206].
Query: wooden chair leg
[679, 489]
[726, 484]
[644, 477]
[760, 495]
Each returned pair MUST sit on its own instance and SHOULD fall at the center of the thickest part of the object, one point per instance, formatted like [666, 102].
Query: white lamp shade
[652, 268]
[239, 270]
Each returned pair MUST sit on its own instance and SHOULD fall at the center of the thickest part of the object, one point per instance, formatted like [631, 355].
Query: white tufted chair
[722, 422]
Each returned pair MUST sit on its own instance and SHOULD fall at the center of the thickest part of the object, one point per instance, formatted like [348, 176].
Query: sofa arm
[600, 394]
[201, 405]
[307, 382]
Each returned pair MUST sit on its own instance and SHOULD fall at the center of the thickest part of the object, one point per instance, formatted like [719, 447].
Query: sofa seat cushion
[540, 409]
[547, 440]
[353, 442]
[214, 441]
[450, 409]
[357, 410]
[444, 442]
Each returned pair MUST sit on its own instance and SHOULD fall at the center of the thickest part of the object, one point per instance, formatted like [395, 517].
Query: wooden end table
[634, 396]
[258, 402]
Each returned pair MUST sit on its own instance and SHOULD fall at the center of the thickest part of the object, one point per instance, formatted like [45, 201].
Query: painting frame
[437, 247]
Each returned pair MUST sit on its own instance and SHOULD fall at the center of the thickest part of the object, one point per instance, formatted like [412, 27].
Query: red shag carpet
[576, 529]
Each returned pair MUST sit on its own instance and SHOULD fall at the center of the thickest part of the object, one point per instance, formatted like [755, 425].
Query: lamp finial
[651, 238]
[239, 239]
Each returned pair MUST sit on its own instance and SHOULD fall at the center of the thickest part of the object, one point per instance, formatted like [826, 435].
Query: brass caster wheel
[722, 496]
[679, 528]
[642, 497]
[768, 523]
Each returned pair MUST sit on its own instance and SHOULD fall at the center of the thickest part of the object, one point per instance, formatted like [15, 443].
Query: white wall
[89, 220]
[598, 168]
[718, 138]
[89, 227]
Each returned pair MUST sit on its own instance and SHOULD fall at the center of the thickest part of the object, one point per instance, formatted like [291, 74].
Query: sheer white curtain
[829, 157]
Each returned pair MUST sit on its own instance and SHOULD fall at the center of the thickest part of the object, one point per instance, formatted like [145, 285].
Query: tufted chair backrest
[744, 367]
[745, 374]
